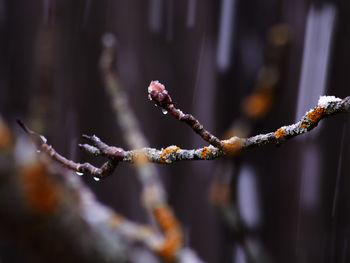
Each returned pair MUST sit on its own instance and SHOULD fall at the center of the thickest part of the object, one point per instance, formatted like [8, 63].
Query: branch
[55, 216]
[153, 190]
[158, 94]
[48, 201]
[112, 153]
[327, 106]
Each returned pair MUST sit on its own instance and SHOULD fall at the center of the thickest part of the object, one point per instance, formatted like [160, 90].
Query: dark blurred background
[241, 67]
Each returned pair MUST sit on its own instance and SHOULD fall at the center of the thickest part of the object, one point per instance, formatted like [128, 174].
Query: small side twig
[158, 94]
[112, 153]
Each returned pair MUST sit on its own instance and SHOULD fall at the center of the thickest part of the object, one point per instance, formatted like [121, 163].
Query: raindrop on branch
[164, 111]
[80, 174]
[97, 179]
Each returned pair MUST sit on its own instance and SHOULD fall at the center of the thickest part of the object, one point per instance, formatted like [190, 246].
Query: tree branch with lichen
[326, 107]
[168, 246]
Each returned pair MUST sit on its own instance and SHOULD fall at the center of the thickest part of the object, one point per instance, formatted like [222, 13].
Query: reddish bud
[158, 93]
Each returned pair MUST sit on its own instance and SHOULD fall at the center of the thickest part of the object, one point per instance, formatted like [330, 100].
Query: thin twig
[158, 94]
[112, 153]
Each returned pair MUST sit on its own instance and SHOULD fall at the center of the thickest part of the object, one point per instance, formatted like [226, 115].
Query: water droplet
[164, 111]
[96, 179]
[155, 105]
[80, 174]
[38, 151]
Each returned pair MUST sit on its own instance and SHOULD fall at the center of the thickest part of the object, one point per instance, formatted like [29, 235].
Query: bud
[158, 93]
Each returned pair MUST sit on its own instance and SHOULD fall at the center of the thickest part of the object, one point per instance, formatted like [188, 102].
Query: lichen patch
[168, 151]
[315, 114]
[205, 151]
[279, 133]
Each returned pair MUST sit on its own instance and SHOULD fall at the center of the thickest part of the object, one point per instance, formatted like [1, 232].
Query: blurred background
[242, 68]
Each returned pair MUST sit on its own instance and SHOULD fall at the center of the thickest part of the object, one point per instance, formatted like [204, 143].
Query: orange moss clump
[205, 151]
[171, 229]
[40, 192]
[279, 133]
[315, 114]
[231, 147]
[168, 150]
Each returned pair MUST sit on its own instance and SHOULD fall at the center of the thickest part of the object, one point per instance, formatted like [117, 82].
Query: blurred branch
[153, 191]
[55, 216]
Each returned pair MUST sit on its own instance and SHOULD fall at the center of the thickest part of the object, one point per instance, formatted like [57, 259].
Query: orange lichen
[40, 192]
[171, 230]
[315, 114]
[303, 125]
[231, 147]
[6, 138]
[256, 105]
[115, 220]
[279, 133]
[168, 150]
[205, 151]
